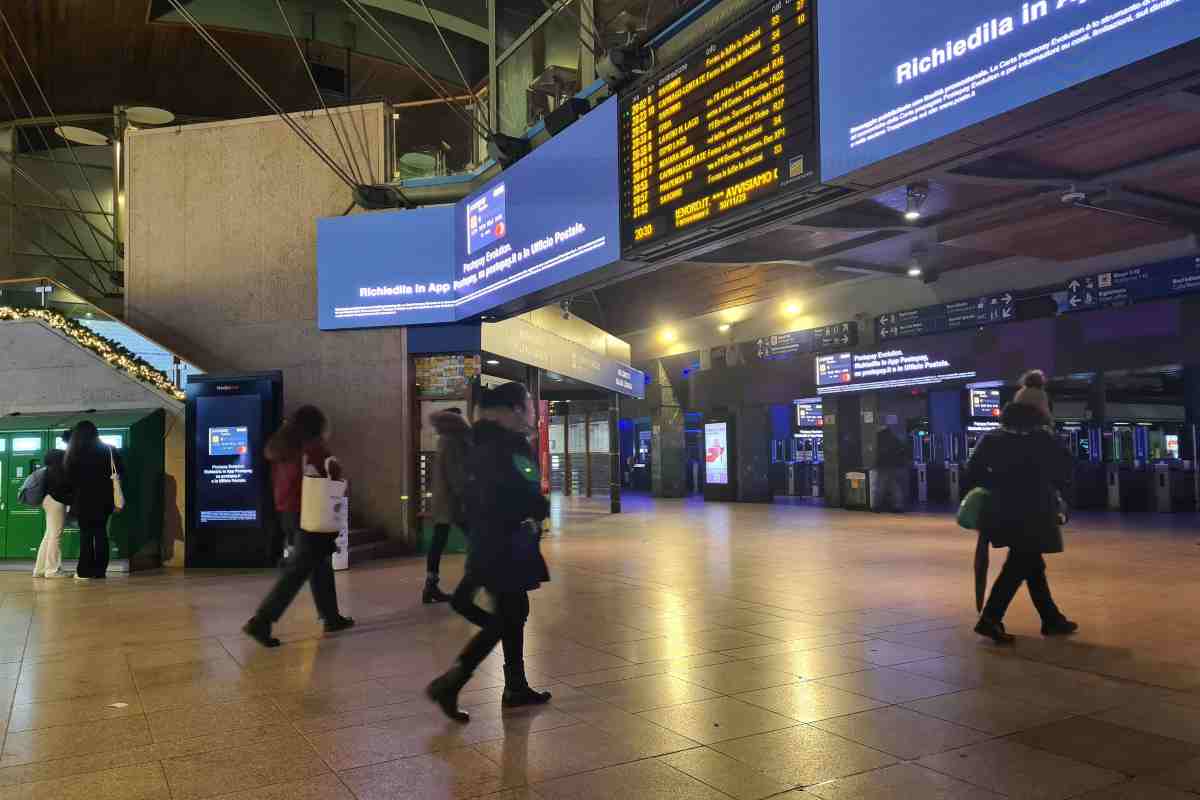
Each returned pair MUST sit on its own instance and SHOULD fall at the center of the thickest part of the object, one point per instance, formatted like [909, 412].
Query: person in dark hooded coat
[504, 508]
[447, 507]
[1025, 469]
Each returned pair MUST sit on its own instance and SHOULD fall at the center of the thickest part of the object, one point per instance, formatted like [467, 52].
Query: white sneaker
[58, 574]
[79, 577]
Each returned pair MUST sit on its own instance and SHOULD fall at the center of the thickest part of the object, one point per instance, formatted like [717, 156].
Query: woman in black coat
[505, 508]
[1025, 469]
[90, 465]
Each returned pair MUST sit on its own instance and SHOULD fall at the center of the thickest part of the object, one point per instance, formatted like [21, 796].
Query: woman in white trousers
[49, 557]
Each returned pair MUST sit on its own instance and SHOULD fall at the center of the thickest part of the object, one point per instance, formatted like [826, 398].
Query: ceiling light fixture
[149, 115]
[916, 196]
[78, 135]
[493, 362]
[791, 309]
[724, 327]
[667, 335]
[914, 271]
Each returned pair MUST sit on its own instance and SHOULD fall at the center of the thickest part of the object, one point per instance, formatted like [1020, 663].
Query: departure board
[731, 125]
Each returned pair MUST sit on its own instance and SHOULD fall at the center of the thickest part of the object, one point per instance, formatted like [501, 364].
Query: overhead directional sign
[830, 337]
[972, 312]
[1157, 281]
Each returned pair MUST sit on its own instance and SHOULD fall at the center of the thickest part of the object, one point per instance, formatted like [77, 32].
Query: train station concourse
[689, 399]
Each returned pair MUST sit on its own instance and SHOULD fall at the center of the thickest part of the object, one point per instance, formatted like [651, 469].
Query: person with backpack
[94, 472]
[1024, 470]
[452, 430]
[55, 498]
[297, 449]
[505, 508]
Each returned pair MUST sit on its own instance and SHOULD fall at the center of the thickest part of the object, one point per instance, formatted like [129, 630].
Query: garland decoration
[116, 355]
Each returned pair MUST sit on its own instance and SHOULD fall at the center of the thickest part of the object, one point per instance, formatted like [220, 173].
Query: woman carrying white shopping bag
[309, 491]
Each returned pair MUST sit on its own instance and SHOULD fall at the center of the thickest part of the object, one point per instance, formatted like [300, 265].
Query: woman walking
[505, 508]
[54, 504]
[452, 429]
[1025, 470]
[92, 470]
[297, 449]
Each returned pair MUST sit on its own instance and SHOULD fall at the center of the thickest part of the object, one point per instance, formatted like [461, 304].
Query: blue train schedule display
[895, 76]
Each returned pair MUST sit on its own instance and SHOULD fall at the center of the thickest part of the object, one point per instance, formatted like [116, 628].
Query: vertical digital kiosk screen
[985, 403]
[230, 516]
[835, 369]
[810, 414]
[716, 453]
[728, 126]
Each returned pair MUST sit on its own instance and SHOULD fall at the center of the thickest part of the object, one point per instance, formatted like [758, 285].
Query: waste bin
[954, 474]
[922, 471]
[1162, 489]
[1112, 474]
[856, 492]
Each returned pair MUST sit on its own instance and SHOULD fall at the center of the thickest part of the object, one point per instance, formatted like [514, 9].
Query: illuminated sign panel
[855, 372]
[730, 125]
[716, 452]
[898, 75]
[985, 403]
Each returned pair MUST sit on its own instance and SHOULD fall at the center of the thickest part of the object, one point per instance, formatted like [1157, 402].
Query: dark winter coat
[1024, 467]
[503, 493]
[90, 476]
[57, 485]
[448, 475]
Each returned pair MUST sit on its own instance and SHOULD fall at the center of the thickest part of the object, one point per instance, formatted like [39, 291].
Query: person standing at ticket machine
[297, 449]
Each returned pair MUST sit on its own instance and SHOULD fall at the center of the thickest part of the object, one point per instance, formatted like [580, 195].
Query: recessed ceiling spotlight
[914, 271]
[791, 308]
[667, 335]
[916, 196]
[493, 362]
[724, 327]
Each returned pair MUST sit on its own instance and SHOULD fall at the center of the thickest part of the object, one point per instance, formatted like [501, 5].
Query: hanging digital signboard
[898, 75]
[985, 403]
[810, 414]
[550, 217]
[731, 125]
[890, 369]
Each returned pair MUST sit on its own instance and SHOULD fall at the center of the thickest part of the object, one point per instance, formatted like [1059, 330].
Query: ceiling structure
[1136, 166]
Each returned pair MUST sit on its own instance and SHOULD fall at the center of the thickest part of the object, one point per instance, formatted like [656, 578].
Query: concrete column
[587, 452]
[753, 459]
[843, 444]
[668, 442]
[1191, 413]
[567, 477]
[614, 454]
[409, 502]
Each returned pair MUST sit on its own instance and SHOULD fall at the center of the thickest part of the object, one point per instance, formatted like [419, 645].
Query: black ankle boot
[1059, 627]
[444, 692]
[516, 689]
[432, 593]
[994, 630]
[260, 631]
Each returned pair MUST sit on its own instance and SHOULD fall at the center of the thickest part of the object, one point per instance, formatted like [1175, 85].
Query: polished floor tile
[694, 651]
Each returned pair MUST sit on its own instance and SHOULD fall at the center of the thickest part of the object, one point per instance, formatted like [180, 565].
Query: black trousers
[506, 626]
[311, 560]
[1028, 568]
[93, 548]
[441, 535]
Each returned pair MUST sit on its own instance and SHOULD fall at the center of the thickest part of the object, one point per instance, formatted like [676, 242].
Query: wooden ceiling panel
[1067, 234]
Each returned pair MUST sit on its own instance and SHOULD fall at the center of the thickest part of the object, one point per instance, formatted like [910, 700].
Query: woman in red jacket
[299, 448]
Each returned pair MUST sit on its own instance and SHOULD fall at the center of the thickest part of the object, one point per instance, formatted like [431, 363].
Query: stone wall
[43, 371]
[221, 268]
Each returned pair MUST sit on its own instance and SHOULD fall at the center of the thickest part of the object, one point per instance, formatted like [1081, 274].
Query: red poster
[544, 444]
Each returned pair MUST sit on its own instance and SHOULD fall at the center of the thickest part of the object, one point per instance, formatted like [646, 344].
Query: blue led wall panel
[551, 217]
[895, 75]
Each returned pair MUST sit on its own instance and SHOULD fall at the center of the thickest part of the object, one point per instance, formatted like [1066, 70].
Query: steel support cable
[255, 87]
[28, 177]
[409, 60]
[45, 101]
[41, 214]
[351, 161]
[49, 150]
[479, 109]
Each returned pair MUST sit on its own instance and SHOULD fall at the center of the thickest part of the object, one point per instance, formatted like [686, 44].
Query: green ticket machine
[135, 534]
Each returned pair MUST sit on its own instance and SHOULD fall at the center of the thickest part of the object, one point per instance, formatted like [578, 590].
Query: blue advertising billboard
[550, 217]
[894, 76]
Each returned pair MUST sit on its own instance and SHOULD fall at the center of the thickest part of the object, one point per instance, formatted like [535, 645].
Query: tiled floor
[695, 653]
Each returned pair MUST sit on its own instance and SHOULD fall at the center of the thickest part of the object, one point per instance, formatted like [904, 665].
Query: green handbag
[970, 511]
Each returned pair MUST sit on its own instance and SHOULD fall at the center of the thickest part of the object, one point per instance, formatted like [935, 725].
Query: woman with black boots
[505, 508]
[92, 469]
[1025, 470]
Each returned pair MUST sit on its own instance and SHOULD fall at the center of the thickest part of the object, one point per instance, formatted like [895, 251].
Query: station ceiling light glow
[917, 193]
[493, 362]
[724, 327]
[914, 271]
[667, 335]
[791, 308]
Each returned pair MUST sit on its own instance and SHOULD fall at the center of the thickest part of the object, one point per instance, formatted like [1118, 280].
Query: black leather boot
[516, 688]
[444, 692]
[994, 630]
[432, 593]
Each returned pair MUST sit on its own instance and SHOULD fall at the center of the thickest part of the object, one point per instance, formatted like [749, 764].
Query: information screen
[228, 488]
[846, 372]
[810, 414]
[730, 125]
[897, 75]
[552, 216]
[985, 403]
[835, 369]
[716, 453]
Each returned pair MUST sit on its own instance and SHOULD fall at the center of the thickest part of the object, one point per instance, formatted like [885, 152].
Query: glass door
[25, 523]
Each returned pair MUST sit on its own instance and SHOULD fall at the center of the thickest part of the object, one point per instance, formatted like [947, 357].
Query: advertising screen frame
[231, 543]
